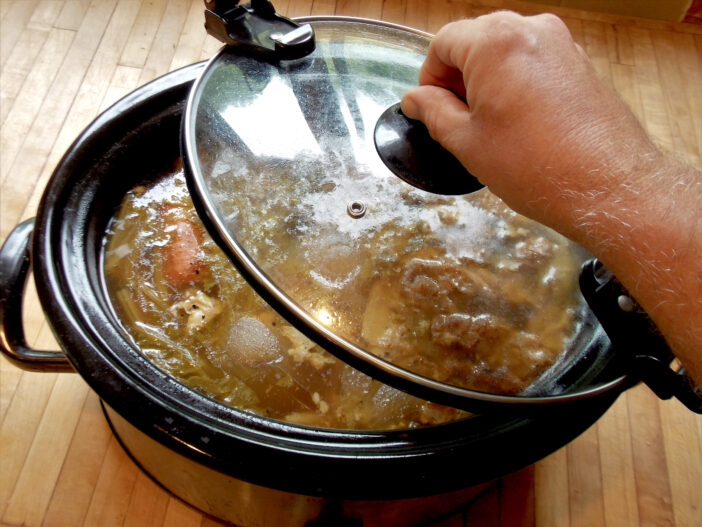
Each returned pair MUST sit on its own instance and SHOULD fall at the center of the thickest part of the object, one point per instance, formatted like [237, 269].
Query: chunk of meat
[182, 257]
[445, 285]
[465, 331]
[422, 278]
[303, 349]
[534, 250]
[199, 308]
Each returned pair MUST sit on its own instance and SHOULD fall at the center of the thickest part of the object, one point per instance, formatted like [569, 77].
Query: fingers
[445, 115]
[441, 68]
[486, 39]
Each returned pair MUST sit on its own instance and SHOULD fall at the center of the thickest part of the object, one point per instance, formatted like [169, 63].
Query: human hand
[517, 101]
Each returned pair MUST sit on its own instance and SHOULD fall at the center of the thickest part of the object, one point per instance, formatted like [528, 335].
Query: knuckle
[551, 22]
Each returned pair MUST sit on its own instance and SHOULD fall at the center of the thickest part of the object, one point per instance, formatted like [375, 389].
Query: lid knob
[408, 150]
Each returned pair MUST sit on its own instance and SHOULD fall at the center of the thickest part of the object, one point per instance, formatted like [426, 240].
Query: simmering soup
[493, 324]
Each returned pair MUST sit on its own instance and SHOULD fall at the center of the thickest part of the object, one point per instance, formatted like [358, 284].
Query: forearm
[650, 236]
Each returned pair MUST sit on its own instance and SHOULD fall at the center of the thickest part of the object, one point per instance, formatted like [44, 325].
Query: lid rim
[370, 364]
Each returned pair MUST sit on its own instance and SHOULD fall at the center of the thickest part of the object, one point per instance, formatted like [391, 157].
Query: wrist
[648, 233]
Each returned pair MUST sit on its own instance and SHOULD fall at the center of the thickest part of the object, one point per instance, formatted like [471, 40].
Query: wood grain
[64, 61]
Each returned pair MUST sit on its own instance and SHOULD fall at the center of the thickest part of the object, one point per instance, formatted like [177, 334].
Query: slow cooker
[233, 464]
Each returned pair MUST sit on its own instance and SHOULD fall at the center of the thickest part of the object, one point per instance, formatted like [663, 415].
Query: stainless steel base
[249, 505]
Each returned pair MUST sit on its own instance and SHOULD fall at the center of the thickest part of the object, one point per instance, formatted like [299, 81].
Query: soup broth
[493, 325]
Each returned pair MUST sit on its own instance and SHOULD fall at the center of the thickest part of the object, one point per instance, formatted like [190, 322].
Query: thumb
[446, 116]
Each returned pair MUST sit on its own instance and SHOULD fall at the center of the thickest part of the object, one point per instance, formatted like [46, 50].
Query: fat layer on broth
[492, 324]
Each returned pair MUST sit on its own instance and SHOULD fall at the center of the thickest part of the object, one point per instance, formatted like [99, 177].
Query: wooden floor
[63, 61]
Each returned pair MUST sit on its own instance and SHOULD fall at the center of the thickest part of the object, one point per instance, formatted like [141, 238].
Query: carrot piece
[182, 256]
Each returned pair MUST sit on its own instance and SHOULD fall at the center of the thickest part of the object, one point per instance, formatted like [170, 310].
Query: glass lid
[456, 298]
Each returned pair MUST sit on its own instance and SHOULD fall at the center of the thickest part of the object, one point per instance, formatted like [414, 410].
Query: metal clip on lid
[256, 27]
[632, 331]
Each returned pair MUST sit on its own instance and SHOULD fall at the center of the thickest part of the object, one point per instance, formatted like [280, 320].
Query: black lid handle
[631, 331]
[410, 153]
[257, 28]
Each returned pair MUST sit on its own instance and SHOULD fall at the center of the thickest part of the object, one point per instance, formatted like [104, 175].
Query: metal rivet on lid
[356, 209]
[625, 303]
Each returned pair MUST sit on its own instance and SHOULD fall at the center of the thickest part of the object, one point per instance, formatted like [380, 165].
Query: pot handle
[256, 27]
[631, 331]
[14, 271]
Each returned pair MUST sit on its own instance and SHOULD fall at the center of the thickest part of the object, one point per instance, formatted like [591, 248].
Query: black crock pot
[233, 464]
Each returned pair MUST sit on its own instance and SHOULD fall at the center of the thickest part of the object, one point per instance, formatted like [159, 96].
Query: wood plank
[124, 80]
[138, 43]
[35, 484]
[19, 63]
[110, 500]
[148, 503]
[347, 7]
[440, 14]
[98, 75]
[4, 8]
[617, 462]
[481, 10]
[533, 8]
[611, 43]
[91, 92]
[551, 490]
[585, 480]
[208, 521]
[619, 45]
[678, 109]
[394, 11]
[33, 323]
[192, 38]
[81, 469]
[575, 26]
[460, 10]
[595, 45]
[323, 7]
[45, 14]
[693, 71]
[33, 318]
[27, 105]
[37, 145]
[650, 467]
[72, 14]
[372, 9]
[417, 14]
[282, 6]
[297, 8]
[209, 48]
[12, 25]
[683, 452]
[648, 81]
[165, 40]
[21, 422]
[10, 376]
[179, 514]
[624, 82]
[689, 59]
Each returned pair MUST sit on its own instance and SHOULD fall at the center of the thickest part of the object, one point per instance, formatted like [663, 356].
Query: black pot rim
[330, 463]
